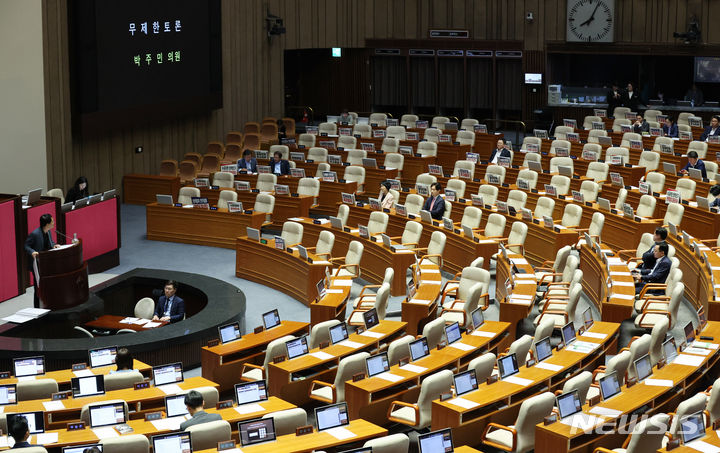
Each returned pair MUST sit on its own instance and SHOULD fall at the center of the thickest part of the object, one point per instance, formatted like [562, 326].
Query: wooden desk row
[63, 377]
[701, 288]
[615, 302]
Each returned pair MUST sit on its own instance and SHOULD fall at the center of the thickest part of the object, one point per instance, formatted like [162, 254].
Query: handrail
[517, 123]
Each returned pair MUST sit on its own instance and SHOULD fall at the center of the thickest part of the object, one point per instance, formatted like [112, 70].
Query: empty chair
[659, 141]
[471, 217]
[356, 156]
[377, 223]
[617, 151]
[168, 167]
[618, 364]
[317, 154]
[646, 206]
[692, 405]
[628, 137]
[594, 148]
[208, 434]
[657, 337]
[433, 332]
[351, 261]
[363, 130]
[558, 144]
[395, 160]
[425, 178]
[408, 120]
[327, 128]
[597, 222]
[516, 239]
[38, 389]
[187, 171]
[379, 119]
[414, 203]
[124, 380]
[439, 122]
[456, 185]
[656, 181]
[638, 348]
[571, 216]
[194, 157]
[356, 174]
[711, 168]
[598, 171]
[530, 140]
[324, 245]
[713, 405]
[545, 207]
[396, 132]
[390, 144]
[306, 140]
[495, 226]
[347, 142]
[561, 184]
[418, 415]
[699, 147]
[556, 162]
[343, 213]
[460, 310]
[468, 124]
[650, 160]
[489, 193]
[266, 182]
[129, 443]
[223, 179]
[434, 251]
[483, 366]
[335, 392]
[686, 187]
[322, 166]
[521, 348]
[589, 190]
[562, 131]
[647, 436]
[530, 176]
[427, 149]
[144, 308]
[465, 138]
[399, 349]
[497, 171]
[457, 290]
[366, 300]
[252, 372]
[588, 120]
[465, 165]
[544, 329]
[378, 302]
[224, 197]
[517, 199]
[553, 270]
[674, 214]
[252, 127]
[448, 209]
[251, 141]
[309, 186]
[594, 134]
[292, 233]
[521, 435]
[265, 203]
[618, 123]
[432, 135]
[186, 193]
[287, 421]
[233, 152]
[394, 443]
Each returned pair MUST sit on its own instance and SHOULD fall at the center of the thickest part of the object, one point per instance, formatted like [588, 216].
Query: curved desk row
[608, 283]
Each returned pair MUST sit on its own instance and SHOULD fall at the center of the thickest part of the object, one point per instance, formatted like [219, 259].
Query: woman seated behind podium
[278, 165]
[78, 191]
[386, 199]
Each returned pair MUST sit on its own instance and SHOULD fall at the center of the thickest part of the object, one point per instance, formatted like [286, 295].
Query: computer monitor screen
[436, 442]
[689, 333]
[175, 406]
[643, 367]
[271, 319]
[452, 333]
[256, 431]
[82, 448]
[568, 333]
[478, 318]
[88, 385]
[229, 332]
[543, 349]
[568, 404]
[377, 364]
[36, 421]
[670, 350]
[8, 394]
[331, 416]
[692, 427]
[168, 374]
[29, 366]
[297, 347]
[465, 382]
[419, 349]
[532, 78]
[320, 286]
[251, 392]
[338, 333]
[609, 385]
[179, 442]
[588, 318]
[102, 356]
[702, 317]
[107, 414]
[507, 365]
[370, 318]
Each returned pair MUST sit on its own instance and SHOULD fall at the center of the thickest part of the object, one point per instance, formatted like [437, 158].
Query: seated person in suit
[658, 273]
[170, 307]
[694, 162]
[123, 361]
[648, 258]
[712, 129]
[386, 199]
[278, 165]
[248, 162]
[435, 203]
[20, 432]
[670, 129]
[194, 403]
[640, 125]
[499, 151]
[715, 192]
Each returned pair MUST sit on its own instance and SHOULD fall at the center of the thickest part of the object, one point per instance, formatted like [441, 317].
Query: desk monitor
[253, 233]
[643, 367]
[568, 403]
[609, 386]
[478, 318]
[425, 216]
[320, 286]
[302, 251]
[377, 364]
[33, 196]
[29, 366]
[465, 382]
[179, 442]
[436, 442]
[336, 223]
[175, 406]
[8, 394]
[452, 333]
[689, 333]
[36, 421]
[370, 318]
[369, 162]
[82, 202]
[82, 448]
[66, 207]
[694, 173]
[543, 349]
[669, 168]
[297, 347]
[418, 349]
[271, 319]
[167, 374]
[250, 392]
[108, 194]
[588, 318]
[692, 427]
[338, 333]
[702, 202]
[507, 365]
[88, 385]
[331, 416]
[95, 198]
[568, 333]
[229, 332]
[107, 414]
[102, 356]
[669, 350]
[468, 232]
[604, 203]
[256, 431]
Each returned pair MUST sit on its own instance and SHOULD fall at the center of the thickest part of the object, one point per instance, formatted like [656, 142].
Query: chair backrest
[532, 411]
[580, 382]
[168, 167]
[545, 207]
[412, 232]
[207, 435]
[638, 348]
[292, 233]
[363, 130]
[595, 148]
[129, 443]
[378, 118]
[287, 421]
[37, 389]
[617, 151]
[594, 134]
[674, 214]
[571, 264]
[598, 171]
[347, 142]
[472, 216]
[516, 199]
[457, 185]
[686, 187]
[408, 120]
[483, 366]
[675, 299]
[322, 166]
[465, 165]
[559, 144]
[544, 329]
[628, 136]
[496, 170]
[395, 160]
[439, 122]
[186, 193]
[328, 128]
[265, 202]
[495, 226]
[347, 368]
[656, 181]
[713, 405]
[530, 176]
[432, 387]
[571, 215]
[589, 119]
[711, 168]
[224, 197]
[561, 258]
[562, 131]
[353, 257]
[144, 308]
[355, 173]
[283, 149]
[434, 331]
[377, 223]
[428, 148]
[695, 403]
[266, 182]
[391, 144]
[356, 156]
[648, 434]
[528, 139]
[618, 123]
[520, 348]
[436, 245]
[699, 147]
[309, 186]
[394, 443]
[646, 206]
[489, 193]
[398, 349]
[275, 348]
[317, 154]
[619, 363]
[307, 140]
[448, 209]
[657, 337]
[531, 157]
[556, 162]
[124, 380]
[561, 183]
[516, 238]
[343, 213]
[596, 224]
[425, 178]
[469, 277]
[58, 193]
[465, 138]
[325, 243]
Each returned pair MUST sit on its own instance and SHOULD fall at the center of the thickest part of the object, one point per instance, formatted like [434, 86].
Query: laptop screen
[29, 366]
[320, 286]
[377, 364]
[331, 416]
[702, 317]
[338, 333]
[36, 421]
[670, 350]
[229, 332]
[643, 367]
[297, 347]
[251, 392]
[588, 318]
[692, 427]
[568, 404]
[102, 356]
[88, 386]
[271, 319]
[452, 333]
[168, 374]
[82, 448]
[179, 442]
[478, 318]
[543, 349]
[175, 406]
[436, 442]
[8, 394]
[507, 365]
[419, 349]
[689, 333]
[256, 431]
[465, 382]
[107, 414]
[609, 385]
[568, 333]
[370, 318]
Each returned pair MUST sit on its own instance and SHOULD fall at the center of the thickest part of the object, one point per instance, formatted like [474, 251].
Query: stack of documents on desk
[25, 315]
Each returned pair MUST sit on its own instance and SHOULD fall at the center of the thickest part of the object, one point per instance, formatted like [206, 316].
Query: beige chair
[322, 166]
[468, 124]
[692, 405]
[439, 122]
[347, 142]
[521, 348]
[619, 122]
[517, 199]
[674, 214]
[292, 233]
[686, 187]
[650, 160]
[377, 223]
[558, 144]
[516, 239]
[58, 193]
[124, 380]
[466, 138]
[594, 134]
[395, 160]
[597, 222]
[356, 156]
[265, 203]
[530, 140]
[530, 176]
[324, 246]
[37, 389]
[266, 182]
[399, 349]
[552, 270]
[448, 209]
[390, 144]
[495, 226]
[655, 312]
[409, 120]
[306, 140]
[434, 251]
[497, 171]
[144, 308]
[472, 216]
[351, 261]
[598, 172]
[619, 363]
[186, 193]
[287, 421]
[309, 186]
[129, 443]
[580, 382]
[434, 332]
[531, 157]
[711, 168]
[427, 149]
[627, 137]
[411, 234]
[545, 207]
[713, 405]
[276, 348]
[414, 203]
[556, 162]
[343, 213]
[594, 148]
[85, 411]
[460, 310]
[657, 337]
[588, 120]
[561, 133]
[223, 179]
[647, 436]
[699, 147]
[335, 392]
[543, 329]
[589, 190]
[207, 435]
[489, 193]
[457, 290]
[638, 348]
[617, 151]
[366, 300]
[378, 118]
[425, 178]
[465, 165]
[363, 130]
[646, 206]
[356, 174]
[394, 443]
[456, 185]
[418, 415]
[317, 154]
[327, 128]
[572, 215]
[656, 181]
[561, 184]
[284, 150]
[168, 167]
[483, 366]
[224, 197]
[520, 437]
[432, 135]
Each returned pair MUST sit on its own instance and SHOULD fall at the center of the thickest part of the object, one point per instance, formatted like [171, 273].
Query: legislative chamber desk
[291, 379]
[114, 323]
[711, 437]
[223, 363]
[141, 189]
[63, 377]
[286, 206]
[616, 302]
[12, 252]
[198, 226]
[516, 302]
[683, 382]
[423, 306]
[370, 398]
[702, 284]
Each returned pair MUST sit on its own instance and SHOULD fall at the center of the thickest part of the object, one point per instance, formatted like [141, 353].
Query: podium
[63, 277]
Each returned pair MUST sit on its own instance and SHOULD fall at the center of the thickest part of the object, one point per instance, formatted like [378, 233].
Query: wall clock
[590, 21]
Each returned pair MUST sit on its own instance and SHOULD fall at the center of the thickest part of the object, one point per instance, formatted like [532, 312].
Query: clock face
[590, 20]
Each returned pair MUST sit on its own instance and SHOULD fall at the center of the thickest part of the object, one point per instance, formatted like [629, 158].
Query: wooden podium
[63, 277]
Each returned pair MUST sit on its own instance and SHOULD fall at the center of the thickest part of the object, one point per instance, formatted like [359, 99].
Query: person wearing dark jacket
[169, 307]
[39, 240]
[278, 165]
[658, 273]
[78, 191]
[648, 258]
[499, 151]
[435, 203]
[694, 162]
[20, 432]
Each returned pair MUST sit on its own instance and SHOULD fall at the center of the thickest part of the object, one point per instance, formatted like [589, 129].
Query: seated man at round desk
[435, 203]
[39, 240]
[20, 432]
[658, 273]
[194, 403]
[169, 306]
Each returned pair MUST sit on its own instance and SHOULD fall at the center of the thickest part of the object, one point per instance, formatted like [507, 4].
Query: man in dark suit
[170, 307]
[658, 273]
[39, 240]
[648, 258]
[499, 151]
[20, 432]
[694, 162]
[712, 129]
[640, 125]
[614, 99]
[194, 403]
[248, 162]
[630, 98]
[278, 165]
[435, 203]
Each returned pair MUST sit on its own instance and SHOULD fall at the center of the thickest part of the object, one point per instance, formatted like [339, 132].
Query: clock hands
[592, 17]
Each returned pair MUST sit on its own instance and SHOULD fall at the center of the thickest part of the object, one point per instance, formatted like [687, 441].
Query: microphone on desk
[74, 239]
